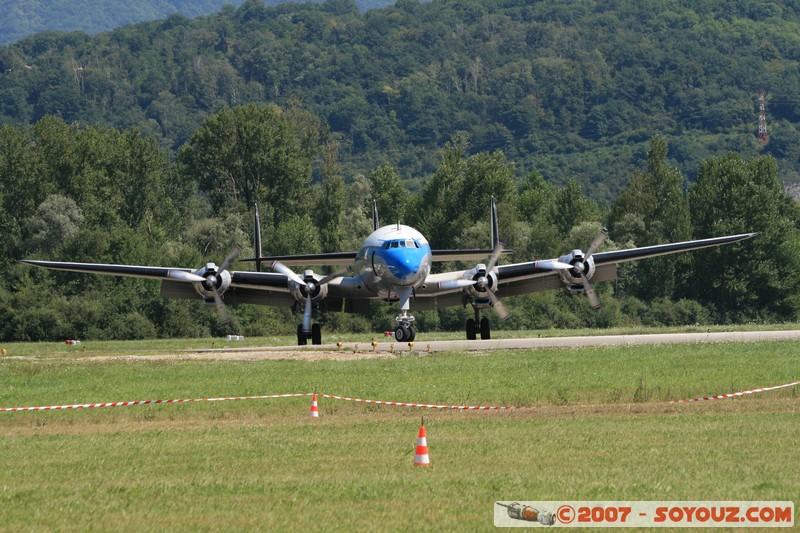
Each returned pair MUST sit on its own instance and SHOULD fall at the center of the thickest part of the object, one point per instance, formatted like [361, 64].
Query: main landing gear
[478, 325]
[315, 335]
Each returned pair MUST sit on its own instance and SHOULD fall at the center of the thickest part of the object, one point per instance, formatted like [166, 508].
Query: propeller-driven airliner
[394, 265]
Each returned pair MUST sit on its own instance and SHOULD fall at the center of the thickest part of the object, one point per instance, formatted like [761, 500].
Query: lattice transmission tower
[763, 136]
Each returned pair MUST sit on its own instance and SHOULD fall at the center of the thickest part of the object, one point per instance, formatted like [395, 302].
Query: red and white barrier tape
[358, 400]
[736, 394]
[426, 405]
[146, 402]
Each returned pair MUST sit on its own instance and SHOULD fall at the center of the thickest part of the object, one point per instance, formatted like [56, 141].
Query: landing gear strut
[478, 324]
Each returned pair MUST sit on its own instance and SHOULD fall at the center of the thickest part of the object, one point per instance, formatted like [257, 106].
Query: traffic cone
[314, 409]
[421, 456]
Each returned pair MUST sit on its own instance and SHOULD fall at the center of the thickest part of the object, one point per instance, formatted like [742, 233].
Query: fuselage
[393, 257]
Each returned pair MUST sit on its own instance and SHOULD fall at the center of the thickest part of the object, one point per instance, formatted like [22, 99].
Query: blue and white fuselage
[394, 259]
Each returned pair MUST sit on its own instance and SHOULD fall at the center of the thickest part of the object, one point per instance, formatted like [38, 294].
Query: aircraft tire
[402, 333]
[412, 333]
[302, 340]
[471, 330]
[486, 331]
[316, 334]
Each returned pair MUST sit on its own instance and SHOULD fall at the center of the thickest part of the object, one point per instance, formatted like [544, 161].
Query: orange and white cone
[314, 408]
[421, 456]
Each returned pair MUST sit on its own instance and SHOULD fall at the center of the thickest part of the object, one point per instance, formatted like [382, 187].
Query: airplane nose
[405, 265]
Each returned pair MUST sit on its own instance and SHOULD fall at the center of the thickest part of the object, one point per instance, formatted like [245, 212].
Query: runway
[533, 343]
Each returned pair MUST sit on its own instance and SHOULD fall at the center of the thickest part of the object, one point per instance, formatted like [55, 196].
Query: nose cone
[407, 265]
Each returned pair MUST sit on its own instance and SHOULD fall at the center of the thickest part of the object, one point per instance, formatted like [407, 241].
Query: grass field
[600, 428]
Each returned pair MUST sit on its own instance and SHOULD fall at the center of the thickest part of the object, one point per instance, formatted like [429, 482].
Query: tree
[757, 278]
[331, 205]
[251, 153]
[652, 210]
[55, 221]
[459, 193]
[390, 193]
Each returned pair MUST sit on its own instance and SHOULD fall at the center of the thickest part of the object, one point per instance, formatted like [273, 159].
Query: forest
[152, 143]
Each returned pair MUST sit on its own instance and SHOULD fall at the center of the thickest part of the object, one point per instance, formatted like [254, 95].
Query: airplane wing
[537, 276]
[244, 287]
[521, 278]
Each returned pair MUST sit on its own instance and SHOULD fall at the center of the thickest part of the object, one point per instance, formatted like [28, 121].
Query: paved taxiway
[541, 342]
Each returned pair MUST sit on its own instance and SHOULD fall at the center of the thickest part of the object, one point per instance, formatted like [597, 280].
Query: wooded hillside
[573, 89]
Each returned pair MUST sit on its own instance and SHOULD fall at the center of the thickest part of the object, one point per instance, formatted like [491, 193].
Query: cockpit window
[402, 243]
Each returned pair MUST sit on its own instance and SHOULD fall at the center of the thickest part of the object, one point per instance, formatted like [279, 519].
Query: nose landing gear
[405, 332]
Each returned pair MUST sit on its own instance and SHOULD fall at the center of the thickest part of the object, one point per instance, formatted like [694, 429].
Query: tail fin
[257, 239]
[495, 229]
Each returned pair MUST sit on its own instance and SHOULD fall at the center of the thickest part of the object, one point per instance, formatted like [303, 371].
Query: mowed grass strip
[600, 429]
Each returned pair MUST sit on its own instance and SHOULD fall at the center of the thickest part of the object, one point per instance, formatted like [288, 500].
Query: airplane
[394, 265]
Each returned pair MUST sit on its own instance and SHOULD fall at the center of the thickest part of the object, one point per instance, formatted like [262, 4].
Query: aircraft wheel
[486, 333]
[302, 340]
[316, 334]
[402, 333]
[471, 330]
[412, 333]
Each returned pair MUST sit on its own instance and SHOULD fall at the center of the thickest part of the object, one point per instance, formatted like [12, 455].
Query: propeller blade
[307, 315]
[222, 311]
[288, 272]
[182, 275]
[552, 264]
[331, 277]
[498, 250]
[596, 243]
[498, 306]
[594, 300]
[455, 284]
[231, 256]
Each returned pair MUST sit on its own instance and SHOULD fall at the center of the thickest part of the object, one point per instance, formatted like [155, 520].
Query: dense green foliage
[572, 89]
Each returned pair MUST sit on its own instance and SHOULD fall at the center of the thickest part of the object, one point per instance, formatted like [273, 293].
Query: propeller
[482, 283]
[579, 267]
[310, 286]
[211, 283]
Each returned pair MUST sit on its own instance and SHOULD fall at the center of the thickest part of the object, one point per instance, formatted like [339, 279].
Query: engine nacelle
[300, 292]
[580, 267]
[214, 280]
[484, 282]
